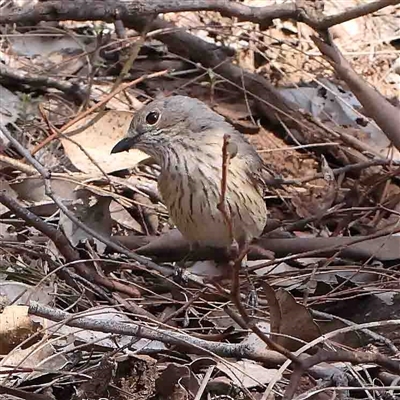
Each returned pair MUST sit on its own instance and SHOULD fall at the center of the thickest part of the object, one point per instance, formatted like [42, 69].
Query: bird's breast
[190, 186]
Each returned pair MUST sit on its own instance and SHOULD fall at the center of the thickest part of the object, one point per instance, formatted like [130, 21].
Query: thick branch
[134, 14]
[386, 115]
[108, 10]
[170, 337]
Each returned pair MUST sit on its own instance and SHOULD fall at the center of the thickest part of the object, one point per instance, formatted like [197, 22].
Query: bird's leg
[240, 264]
[229, 256]
[181, 266]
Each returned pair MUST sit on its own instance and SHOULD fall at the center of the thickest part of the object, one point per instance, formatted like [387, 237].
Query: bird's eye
[152, 117]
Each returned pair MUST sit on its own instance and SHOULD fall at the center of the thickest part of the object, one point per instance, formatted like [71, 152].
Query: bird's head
[166, 122]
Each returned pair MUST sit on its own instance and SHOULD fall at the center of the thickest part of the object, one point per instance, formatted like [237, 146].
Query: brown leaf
[97, 140]
[32, 188]
[290, 318]
[174, 379]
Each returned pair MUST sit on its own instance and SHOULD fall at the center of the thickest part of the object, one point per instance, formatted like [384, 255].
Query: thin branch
[373, 335]
[226, 157]
[41, 81]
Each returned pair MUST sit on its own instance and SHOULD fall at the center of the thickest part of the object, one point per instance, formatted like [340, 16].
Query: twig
[342, 170]
[204, 382]
[326, 22]
[71, 89]
[133, 54]
[375, 336]
[226, 156]
[236, 299]
[185, 306]
[238, 256]
[58, 133]
[17, 164]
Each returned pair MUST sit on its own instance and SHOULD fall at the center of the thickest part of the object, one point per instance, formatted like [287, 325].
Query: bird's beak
[124, 144]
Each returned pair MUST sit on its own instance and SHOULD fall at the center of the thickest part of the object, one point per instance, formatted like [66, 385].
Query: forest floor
[100, 297]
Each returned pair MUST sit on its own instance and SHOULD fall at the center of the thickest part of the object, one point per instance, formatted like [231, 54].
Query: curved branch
[386, 115]
[137, 329]
[107, 10]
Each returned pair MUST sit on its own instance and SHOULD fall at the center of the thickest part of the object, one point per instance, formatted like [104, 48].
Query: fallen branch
[381, 246]
[82, 10]
[199, 346]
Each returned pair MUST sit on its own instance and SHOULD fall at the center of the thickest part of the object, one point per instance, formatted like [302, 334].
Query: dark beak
[124, 144]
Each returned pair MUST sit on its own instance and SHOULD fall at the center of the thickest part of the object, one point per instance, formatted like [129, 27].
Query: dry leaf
[94, 212]
[290, 318]
[21, 293]
[176, 381]
[97, 140]
[32, 188]
[124, 218]
[10, 107]
[247, 373]
[39, 356]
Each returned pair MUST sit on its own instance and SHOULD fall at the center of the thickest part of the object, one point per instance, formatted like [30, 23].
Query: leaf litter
[116, 195]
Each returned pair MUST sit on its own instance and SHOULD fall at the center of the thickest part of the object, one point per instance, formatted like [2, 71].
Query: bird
[185, 137]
